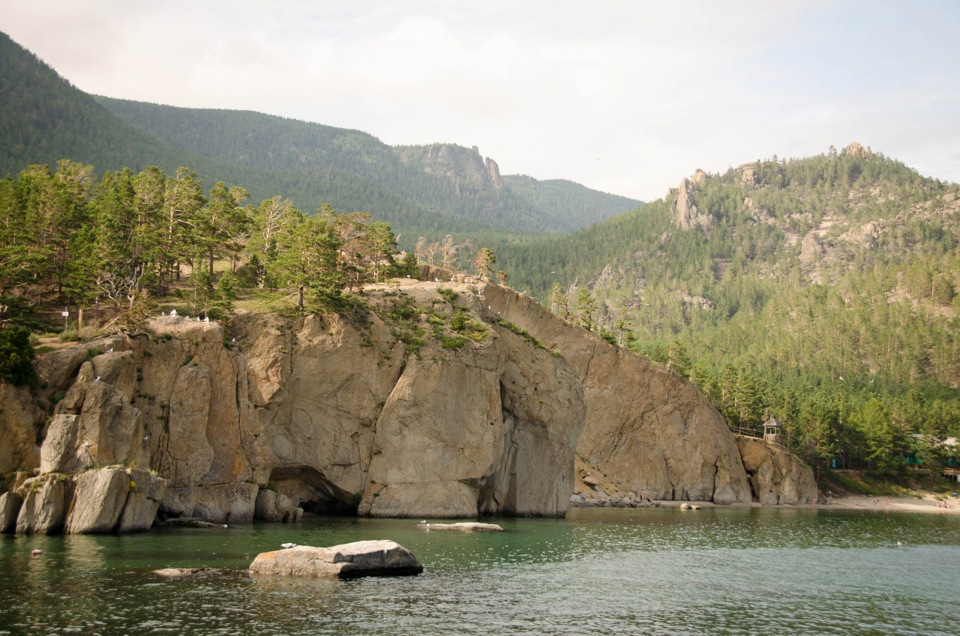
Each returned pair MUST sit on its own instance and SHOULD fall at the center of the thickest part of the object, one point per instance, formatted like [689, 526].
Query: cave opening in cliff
[311, 490]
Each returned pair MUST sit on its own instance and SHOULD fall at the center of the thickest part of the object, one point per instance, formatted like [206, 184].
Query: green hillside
[420, 190]
[44, 119]
[447, 179]
[822, 291]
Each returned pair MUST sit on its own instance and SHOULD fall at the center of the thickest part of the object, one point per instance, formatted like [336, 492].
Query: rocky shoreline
[272, 416]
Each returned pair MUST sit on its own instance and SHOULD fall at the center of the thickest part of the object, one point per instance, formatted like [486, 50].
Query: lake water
[599, 571]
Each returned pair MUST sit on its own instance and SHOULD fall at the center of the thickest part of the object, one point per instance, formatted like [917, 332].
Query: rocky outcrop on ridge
[686, 215]
[443, 399]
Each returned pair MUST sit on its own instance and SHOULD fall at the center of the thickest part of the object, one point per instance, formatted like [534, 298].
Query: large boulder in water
[146, 492]
[44, 504]
[98, 501]
[350, 560]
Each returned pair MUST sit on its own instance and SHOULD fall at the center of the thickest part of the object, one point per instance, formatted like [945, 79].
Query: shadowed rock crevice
[309, 489]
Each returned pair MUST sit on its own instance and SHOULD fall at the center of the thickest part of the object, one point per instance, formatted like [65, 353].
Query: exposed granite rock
[113, 499]
[57, 369]
[274, 506]
[493, 171]
[485, 432]
[350, 560]
[93, 424]
[143, 500]
[44, 506]
[777, 476]
[340, 416]
[19, 423]
[686, 214]
[10, 503]
[98, 501]
[649, 429]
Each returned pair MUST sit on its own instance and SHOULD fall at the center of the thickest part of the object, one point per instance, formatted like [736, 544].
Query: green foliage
[16, 356]
[450, 325]
[824, 292]
[402, 313]
[523, 333]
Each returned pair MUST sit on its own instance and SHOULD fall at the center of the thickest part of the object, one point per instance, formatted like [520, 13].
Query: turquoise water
[600, 571]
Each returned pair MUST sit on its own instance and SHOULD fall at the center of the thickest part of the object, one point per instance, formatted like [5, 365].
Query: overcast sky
[624, 96]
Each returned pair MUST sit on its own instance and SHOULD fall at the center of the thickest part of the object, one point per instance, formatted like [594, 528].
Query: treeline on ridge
[115, 243]
[823, 291]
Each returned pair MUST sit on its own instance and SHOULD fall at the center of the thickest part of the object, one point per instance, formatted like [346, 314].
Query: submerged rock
[192, 522]
[184, 572]
[462, 526]
[350, 560]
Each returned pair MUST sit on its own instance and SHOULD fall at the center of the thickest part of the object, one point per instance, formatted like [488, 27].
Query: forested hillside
[447, 179]
[822, 291]
[420, 190]
[44, 119]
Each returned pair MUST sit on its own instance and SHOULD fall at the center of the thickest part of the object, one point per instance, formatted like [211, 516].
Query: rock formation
[465, 168]
[461, 526]
[776, 475]
[347, 561]
[686, 215]
[397, 413]
[647, 428]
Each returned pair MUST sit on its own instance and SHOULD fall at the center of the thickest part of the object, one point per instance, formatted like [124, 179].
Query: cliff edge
[452, 398]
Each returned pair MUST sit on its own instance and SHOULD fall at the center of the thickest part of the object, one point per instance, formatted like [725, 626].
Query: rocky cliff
[439, 399]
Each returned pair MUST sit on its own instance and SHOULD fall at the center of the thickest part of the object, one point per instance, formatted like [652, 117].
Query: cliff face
[394, 414]
[646, 428]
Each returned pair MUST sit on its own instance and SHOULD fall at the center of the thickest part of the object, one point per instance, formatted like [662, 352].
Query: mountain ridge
[446, 178]
[46, 119]
[820, 290]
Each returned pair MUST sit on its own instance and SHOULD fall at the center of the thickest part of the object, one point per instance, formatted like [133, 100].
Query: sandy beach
[927, 504]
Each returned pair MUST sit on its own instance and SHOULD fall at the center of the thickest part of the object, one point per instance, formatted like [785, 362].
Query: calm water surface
[600, 571]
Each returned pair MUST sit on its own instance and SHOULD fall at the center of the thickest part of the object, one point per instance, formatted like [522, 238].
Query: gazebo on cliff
[771, 430]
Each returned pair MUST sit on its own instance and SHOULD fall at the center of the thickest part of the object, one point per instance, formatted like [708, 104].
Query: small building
[771, 430]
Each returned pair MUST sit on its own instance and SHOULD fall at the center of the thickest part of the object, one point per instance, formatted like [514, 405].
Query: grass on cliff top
[449, 323]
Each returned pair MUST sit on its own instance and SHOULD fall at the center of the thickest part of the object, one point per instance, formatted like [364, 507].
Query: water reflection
[600, 571]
